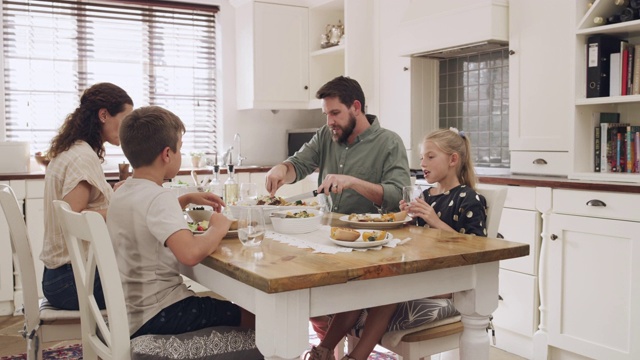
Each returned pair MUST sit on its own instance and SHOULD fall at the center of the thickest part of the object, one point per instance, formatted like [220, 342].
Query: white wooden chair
[42, 322]
[444, 335]
[91, 250]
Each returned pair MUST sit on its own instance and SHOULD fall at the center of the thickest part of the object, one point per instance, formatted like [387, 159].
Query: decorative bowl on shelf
[42, 160]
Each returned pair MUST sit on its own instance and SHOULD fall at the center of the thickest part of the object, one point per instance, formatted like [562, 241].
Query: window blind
[161, 53]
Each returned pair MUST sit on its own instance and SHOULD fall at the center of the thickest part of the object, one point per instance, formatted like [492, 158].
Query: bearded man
[362, 166]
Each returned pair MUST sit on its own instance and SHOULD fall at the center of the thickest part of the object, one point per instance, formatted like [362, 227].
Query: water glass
[248, 191]
[251, 226]
[412, 193]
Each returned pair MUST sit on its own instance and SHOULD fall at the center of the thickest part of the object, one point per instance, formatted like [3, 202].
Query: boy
[151, 236]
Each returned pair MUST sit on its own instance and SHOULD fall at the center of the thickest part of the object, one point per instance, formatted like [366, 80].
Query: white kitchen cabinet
[592, 277]
[586, 109]
[540, 83]
[516, 318]
[272, 56]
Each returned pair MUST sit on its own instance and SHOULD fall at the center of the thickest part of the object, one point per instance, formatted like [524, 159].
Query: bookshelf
[587, 109]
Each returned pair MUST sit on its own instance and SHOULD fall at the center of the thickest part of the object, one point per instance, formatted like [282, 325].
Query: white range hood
[447, 28]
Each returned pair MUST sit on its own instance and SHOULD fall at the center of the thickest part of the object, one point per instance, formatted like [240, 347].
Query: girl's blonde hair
[453, 141]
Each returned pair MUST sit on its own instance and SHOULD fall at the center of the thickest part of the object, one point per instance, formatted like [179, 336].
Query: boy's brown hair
[147, 131]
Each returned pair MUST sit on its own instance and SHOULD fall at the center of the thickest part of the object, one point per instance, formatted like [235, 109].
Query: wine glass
[412, 193]
[251, 226]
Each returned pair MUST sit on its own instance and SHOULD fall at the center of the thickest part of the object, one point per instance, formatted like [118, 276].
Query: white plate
[373, 224]
[362, 244]
[230, 233]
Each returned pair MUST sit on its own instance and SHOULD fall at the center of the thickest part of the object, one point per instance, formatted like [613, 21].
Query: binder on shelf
[615, 74]
[599, 50]
[596, 148]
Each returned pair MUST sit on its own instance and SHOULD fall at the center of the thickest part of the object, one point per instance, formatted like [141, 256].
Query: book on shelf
[613, 149]
[633, 144]
[635, 86]
[630, 64]
[596, 148]
[624, 66]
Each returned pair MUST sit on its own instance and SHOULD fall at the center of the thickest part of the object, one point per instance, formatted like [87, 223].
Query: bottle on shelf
[621, 2]
[628, 14]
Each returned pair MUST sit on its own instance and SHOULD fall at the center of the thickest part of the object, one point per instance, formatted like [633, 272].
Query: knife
[306, 195]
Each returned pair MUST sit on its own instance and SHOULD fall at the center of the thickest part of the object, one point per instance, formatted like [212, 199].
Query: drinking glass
[412, 193]
[251, 226]
[248, 191]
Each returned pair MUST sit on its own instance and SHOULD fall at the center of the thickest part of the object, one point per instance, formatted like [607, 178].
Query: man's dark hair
[345, 89]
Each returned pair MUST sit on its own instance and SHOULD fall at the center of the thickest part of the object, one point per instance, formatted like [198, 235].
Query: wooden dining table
[284, 285]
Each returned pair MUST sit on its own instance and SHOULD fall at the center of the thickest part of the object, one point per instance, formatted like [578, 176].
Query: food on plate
[199, 225]
[400, 216]
[270, 200]
[370, 218]
[299, 214]
[344, 234]
[374, 235]
[280, 201]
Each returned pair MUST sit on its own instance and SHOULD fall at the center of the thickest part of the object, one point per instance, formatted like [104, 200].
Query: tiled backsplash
[474, 97]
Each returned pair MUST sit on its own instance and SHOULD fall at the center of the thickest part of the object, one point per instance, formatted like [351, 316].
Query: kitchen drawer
[526, 162]
[522, 226]
[518, 309]
[519, 197]
[622, 206]
[35, 189]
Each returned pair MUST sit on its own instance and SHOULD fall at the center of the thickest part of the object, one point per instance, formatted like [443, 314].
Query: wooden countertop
[276, 267]
[513, 180]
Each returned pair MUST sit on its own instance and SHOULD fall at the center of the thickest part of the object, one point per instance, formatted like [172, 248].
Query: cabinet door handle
[306, 87]
[596, 202]
[512, 52]
[540, 161]
[405, 68]
[553, 237]
[499, 236]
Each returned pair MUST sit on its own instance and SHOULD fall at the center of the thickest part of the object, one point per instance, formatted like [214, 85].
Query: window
[161, 53]
[474, 97]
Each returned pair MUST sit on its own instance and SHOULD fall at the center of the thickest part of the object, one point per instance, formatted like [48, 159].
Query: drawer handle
[553, 237]
[596, 202]
[500, 297]
[499, 236]
[540, 161]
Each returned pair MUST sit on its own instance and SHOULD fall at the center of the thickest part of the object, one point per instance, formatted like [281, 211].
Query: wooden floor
[11, 341]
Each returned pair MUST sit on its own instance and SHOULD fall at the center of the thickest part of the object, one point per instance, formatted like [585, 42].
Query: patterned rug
[71, 352]
[74, 352]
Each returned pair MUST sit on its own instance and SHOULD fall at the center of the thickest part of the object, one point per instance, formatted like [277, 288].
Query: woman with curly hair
[75, 175]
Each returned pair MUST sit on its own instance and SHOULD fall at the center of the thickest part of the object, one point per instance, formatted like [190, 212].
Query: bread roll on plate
[400, 216]
[344, 234]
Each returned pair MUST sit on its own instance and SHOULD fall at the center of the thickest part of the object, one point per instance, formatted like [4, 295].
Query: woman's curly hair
[84, 122]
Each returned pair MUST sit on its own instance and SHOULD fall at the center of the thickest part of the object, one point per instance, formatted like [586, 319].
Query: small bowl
[200, 215]
[296, 225]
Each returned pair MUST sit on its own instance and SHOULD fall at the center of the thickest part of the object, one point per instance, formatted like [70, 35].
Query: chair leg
[88, 352]
[34, 348]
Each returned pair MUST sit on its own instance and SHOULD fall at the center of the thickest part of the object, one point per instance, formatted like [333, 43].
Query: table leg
[282, 324]
[475, 307]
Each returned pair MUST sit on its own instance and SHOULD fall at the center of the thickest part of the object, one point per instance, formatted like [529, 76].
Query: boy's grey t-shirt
[141, 216]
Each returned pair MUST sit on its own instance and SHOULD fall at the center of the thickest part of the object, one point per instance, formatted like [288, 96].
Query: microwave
[298, 137]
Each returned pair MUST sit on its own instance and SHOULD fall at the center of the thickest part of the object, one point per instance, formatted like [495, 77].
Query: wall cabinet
[272, 56]
[280, 63]
[540, 85]
[592, 277]
[586, 109]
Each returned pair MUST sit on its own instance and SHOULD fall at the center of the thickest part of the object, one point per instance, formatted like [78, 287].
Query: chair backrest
[22, 254]
[91, 250]
[495, 197]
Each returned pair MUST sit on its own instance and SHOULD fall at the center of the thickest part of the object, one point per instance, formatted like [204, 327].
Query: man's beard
[346, 131]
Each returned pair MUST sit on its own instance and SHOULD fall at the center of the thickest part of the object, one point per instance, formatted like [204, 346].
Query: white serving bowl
[200, 215]
[296, 225]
